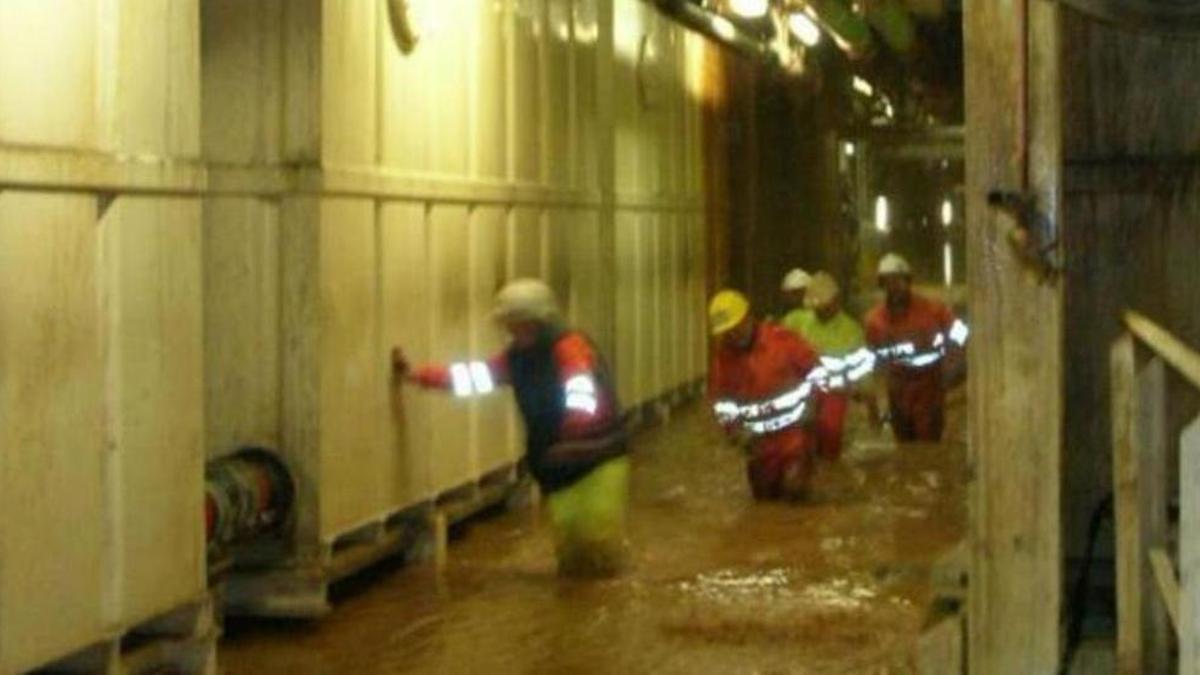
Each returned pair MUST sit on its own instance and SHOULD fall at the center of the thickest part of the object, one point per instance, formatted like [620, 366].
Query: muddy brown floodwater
[718, 583]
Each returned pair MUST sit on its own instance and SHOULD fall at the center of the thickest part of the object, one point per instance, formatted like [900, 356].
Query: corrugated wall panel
[354, 374]
[408, 322]
[674, 331]
[524, 244]
[155, 395]
[451, 341]
[557, 99]
[53, 104]
[488, 108]
[242, 51]
[448, 88]
[587, 284]
[557, 268]
[587, 123]
[655, 327]
[407, 104]
[241, 321]
[348, 131]
[51, 457]
[490, 435]
[507, 93]
[158, 77]
[525, 67]
[628, 367]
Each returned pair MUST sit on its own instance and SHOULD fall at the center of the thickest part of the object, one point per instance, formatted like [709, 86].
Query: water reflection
[718, 584]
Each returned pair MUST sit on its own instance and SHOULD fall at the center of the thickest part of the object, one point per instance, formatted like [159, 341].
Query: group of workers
[780, 389]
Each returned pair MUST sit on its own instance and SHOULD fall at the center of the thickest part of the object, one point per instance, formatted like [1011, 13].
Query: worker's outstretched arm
[465, 378]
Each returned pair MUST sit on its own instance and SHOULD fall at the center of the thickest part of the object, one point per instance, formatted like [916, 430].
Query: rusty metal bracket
[1035, 237]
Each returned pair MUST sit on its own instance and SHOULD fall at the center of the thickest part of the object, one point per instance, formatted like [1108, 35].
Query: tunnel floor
[717, 583]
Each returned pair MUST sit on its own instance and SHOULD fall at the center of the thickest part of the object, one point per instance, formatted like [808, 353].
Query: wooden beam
[1189, 549]
[1139, 479]
[1180, 356]
[1014, 142]
[1168, 583]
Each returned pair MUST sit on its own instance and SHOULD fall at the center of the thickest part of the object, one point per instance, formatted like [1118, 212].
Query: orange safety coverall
[777, 361]
[916, 396]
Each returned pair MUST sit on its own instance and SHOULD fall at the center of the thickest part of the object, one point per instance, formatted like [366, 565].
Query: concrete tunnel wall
[216, 217]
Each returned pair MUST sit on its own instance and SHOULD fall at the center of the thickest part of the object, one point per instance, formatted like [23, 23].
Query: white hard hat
[822, 290]
[893, 263]
[525, 300]
[795, 280]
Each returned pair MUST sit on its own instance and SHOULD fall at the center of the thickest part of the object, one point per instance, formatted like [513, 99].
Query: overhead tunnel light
[947, 213]
[862, 86]
[881, 214]
[724, 28]
[849, 149]
[749, 9]
[948, 264]
[805, 30]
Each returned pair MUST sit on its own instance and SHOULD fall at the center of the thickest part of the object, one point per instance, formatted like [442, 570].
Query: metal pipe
[850, 30]
[705, 22]
[246, 495]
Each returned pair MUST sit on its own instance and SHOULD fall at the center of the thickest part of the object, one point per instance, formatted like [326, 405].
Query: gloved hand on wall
[400, 365]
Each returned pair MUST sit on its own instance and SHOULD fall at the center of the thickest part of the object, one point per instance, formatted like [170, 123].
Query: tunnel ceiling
[898, 63]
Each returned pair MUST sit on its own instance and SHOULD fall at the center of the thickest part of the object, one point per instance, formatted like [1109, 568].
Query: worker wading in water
[757, 385]
[916, 394]
[833, 334]
[576, 446]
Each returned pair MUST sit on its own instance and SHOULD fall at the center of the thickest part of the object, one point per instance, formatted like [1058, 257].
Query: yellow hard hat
[727, 309]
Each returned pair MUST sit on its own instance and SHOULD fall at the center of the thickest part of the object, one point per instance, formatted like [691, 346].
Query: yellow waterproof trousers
[589, 521]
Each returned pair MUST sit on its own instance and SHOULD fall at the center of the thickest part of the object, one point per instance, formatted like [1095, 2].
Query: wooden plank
[1013, 142]
[1123, 383]
[1139, 482]
[940, 647]
[1174, 351]
[1168, 583]
[1151, 438]
[1189, 549]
